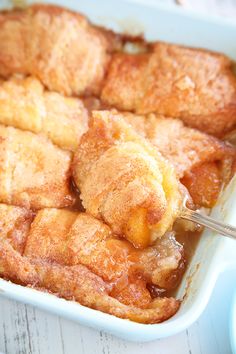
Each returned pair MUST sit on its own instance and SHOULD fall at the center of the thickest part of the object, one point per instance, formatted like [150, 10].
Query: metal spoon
[220, 227]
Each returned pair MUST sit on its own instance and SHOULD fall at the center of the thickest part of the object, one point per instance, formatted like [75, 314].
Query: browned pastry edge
[162, 81]
[79, 284]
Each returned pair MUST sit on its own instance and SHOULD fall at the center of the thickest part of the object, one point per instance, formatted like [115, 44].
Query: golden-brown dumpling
[26, 105]
[125, 181]
[58, 46]
[34, 173]
[76, 257]
[197, 86]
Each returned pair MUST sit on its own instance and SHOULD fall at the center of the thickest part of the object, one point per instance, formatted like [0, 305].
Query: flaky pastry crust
[202, 162]
[34, 173]
[62, 119]
[58, 46]
[194, 85]
[125, 181]
[76, 257]
[184, 147]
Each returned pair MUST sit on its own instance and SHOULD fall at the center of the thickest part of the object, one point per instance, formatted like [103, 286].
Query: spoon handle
[220, 227]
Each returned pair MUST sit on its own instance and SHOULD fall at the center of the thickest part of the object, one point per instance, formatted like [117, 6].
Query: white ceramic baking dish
[214, 253]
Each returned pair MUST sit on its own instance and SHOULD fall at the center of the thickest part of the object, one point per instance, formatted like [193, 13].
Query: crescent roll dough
[197, 86]
[184, 147]
[77, 257]
[124, 181]
[58, 46]
[34, 173]
[62, 119]
[202, 162]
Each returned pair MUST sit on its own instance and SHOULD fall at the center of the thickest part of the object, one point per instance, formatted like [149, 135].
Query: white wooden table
[25, 330]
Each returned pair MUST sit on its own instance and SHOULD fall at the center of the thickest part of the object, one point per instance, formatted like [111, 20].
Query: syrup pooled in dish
[90, 196]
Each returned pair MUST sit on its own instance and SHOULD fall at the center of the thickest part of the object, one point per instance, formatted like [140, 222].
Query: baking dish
[214, 253]
[232, 325]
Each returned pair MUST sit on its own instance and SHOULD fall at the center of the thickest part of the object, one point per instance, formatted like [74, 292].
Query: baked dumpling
[184, 147]
[202, 162]
[77, 257]
[197, 86]
[34, 173]
[71, 238]
[62, 119]
[58, 46]
[124, 180]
